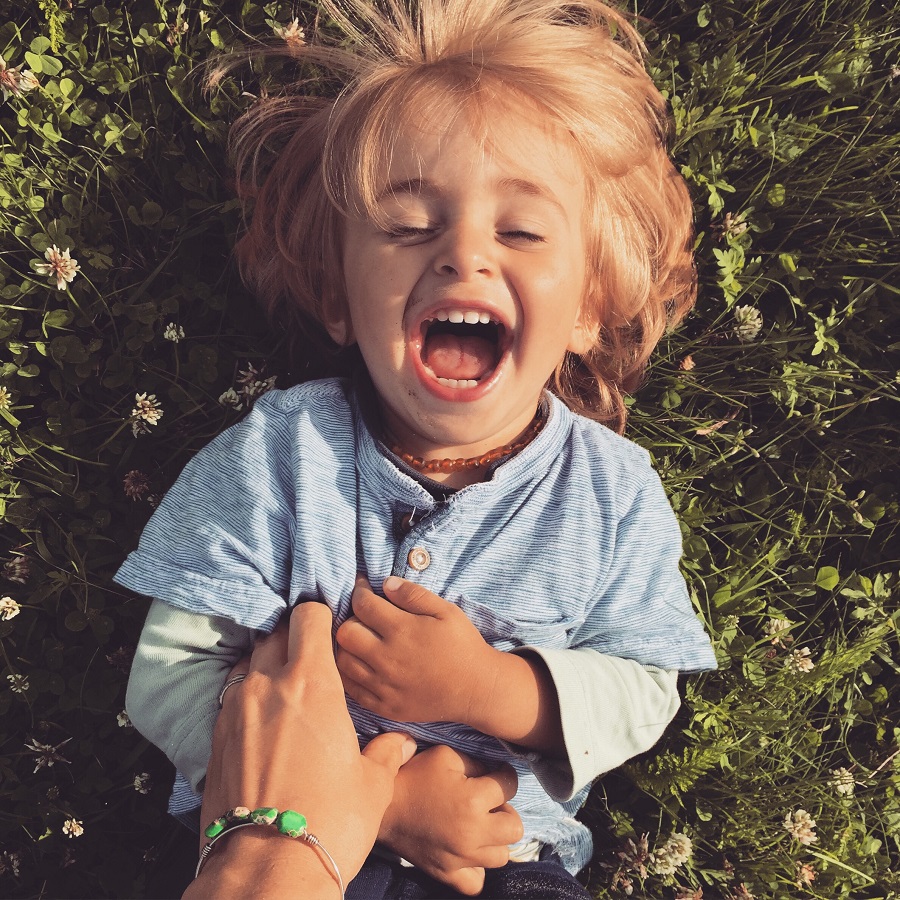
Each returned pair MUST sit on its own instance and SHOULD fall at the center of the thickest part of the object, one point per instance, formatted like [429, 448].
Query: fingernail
[392, 583]
[408, 750]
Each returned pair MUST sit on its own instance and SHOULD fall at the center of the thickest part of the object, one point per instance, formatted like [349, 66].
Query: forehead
[508, 139]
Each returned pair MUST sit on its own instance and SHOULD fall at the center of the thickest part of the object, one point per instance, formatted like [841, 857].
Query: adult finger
[390, 751]
[270, 651]
[309, 638]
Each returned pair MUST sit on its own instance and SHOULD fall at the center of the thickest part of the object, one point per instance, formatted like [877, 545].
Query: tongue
[462, 358]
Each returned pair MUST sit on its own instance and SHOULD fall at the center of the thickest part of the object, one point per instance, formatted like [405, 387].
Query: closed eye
[524, 236]
[409, 232]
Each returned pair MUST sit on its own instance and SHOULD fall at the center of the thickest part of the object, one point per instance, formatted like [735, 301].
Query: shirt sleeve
[610, 708]
[643, 611]
[180, 665]
[220, 542]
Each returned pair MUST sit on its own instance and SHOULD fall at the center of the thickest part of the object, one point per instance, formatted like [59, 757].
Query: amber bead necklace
[429, 466]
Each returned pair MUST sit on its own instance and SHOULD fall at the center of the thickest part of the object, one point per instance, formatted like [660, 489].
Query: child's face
[493, 235]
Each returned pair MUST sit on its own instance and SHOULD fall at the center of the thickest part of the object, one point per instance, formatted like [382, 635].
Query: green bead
[291, 823]
[216, 827]
[238, 814]
[265, 815]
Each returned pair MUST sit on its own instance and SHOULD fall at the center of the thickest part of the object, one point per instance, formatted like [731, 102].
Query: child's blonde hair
[580, 62]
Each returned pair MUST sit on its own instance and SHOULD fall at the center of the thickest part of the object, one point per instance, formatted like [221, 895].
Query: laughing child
[484, 209]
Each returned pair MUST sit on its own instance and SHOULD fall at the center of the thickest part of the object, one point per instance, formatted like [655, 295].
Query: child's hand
[414, 657]
[450, 817]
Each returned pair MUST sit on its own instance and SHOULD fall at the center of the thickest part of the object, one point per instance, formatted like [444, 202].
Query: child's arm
[181, 662]
[418, 658]
[611, 709]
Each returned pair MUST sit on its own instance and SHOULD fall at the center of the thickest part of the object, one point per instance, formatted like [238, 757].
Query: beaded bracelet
[287, 822]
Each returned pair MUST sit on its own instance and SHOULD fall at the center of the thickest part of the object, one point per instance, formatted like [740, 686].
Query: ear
[336, 319]
[585, 333]
[340, 331]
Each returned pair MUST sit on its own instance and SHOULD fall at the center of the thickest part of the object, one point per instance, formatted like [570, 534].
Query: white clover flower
[254, 389]
[748, 322]
[675, 852]
[143, 783]
[5, 398]
[291, 33]
[15, 81]
[777, 629]
[800, 661]
[147, 408]
[27, 81]
[59, 266]
[9, 609]
[73, 828]
[843, 782]
[173, 333]
[18, 684]
[124, 720]
[231, 398]
[801, 827]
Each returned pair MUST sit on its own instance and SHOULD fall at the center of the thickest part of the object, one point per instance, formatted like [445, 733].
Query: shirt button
[419, 559]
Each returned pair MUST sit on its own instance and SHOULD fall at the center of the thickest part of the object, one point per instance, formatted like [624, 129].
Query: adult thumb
[391, 750]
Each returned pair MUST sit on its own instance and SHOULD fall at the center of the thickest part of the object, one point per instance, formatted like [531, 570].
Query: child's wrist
[485, 687]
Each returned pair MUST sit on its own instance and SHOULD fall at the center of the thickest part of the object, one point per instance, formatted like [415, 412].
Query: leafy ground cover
[772, 415]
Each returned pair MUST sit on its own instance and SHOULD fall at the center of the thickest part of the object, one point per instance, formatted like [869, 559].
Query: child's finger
[353, 668]
[413, 598]
[362, 695]
[359, 639]
[506, 827]
[379, 614]
[468, 881]
[497, 787]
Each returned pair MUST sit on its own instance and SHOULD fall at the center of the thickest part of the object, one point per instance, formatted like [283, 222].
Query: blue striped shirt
[571, 543]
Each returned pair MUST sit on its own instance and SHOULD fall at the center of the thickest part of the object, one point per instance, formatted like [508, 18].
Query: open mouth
[462, 348]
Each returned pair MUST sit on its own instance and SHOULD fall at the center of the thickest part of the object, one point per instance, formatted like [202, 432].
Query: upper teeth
[469, 316]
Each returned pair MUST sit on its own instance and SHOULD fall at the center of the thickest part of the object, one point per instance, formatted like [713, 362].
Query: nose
[464, 250]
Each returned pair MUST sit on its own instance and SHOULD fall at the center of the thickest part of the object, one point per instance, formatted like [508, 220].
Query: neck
[462, 471]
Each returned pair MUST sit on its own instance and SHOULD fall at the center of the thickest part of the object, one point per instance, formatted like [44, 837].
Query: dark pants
[546, 879]
[381, 879]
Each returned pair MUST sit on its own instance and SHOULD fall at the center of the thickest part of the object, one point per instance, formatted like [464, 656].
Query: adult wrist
[274, 866]
[273, 824]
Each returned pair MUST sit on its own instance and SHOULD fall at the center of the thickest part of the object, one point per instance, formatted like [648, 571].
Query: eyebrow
[424, 187]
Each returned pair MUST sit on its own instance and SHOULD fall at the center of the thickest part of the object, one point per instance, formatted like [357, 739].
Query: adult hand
[284, 738]
[414, 657]
[451, 817]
